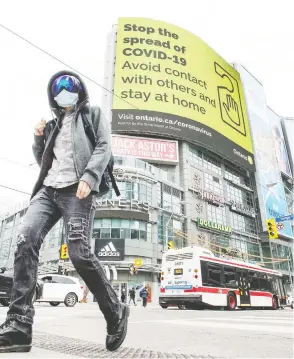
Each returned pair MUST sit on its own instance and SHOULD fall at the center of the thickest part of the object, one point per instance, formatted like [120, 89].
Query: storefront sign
[153, 150]
[240, 208]
[110, 249]
[203, 223]
[123, 203]
[209, 196]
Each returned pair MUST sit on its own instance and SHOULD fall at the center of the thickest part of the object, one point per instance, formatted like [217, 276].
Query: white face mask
[66, 99]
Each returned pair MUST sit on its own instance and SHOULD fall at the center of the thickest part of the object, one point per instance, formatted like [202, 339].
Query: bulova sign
[123, 203]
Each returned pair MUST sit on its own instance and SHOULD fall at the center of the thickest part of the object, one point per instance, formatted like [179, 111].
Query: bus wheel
[164, 306]
[232, 302]
[275, 303]
[181, 306]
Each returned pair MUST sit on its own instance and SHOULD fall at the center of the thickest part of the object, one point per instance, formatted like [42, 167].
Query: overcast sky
[256, 33]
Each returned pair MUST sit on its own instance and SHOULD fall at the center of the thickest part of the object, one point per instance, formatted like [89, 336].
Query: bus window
[214, 274]
[253, 280]
[204, 273]
[230, 276]
[263, 282]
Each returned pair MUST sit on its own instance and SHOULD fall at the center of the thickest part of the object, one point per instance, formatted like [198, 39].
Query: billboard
[110, 249]
[271, 193]
[279, 140]
[169, 83]
[153, 150]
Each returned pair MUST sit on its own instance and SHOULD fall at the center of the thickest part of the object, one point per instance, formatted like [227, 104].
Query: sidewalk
[39, 353]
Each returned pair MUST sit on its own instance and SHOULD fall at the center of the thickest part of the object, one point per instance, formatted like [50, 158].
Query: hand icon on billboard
[230, 100]
[232, 110]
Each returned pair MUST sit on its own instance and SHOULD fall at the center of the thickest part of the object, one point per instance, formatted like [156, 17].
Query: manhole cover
[82, 348]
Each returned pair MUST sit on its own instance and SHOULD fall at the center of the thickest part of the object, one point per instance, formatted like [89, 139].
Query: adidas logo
[108, 251]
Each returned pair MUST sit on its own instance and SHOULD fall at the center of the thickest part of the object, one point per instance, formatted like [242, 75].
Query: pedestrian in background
[144, 296]
[123, 296]
[132, 294]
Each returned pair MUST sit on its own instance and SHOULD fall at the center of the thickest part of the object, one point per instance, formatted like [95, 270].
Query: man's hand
[83, 190]
[39, 128]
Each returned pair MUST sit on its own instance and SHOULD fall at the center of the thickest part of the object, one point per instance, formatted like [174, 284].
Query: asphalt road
[79, 332]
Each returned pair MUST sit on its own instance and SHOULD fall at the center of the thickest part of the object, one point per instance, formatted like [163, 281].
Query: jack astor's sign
[203, 223]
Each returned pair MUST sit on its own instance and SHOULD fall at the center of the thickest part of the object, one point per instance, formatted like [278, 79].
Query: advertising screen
[271, 192]
[169, 83]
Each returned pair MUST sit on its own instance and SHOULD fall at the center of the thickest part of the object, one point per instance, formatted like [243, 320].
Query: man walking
[132, 295]
[144, 296]
[72, 174]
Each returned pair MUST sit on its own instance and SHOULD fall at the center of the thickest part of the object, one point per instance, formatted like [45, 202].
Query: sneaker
[15, 337]
[116, 332]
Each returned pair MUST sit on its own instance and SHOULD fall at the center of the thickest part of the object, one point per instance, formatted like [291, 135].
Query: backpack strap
[89, 130]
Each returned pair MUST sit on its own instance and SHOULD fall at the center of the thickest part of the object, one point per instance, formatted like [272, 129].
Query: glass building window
[243, 224]
[216, 214]
[204, 160]
[212, 164]
[213, 184]
[235, 176]
[239, 195]
[121, 228]
[170, 199]
[195, 156]
[174, 230]
[140, 191]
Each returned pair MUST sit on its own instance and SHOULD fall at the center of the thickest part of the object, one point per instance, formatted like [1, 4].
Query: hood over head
[83, 95]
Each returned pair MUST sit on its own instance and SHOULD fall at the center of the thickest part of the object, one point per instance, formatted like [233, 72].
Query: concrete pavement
[79, 332]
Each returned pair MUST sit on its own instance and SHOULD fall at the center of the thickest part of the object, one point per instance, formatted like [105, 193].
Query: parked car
[6, 282]
[61, 289]
[289, 300]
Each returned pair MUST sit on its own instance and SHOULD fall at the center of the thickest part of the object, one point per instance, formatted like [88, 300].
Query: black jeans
[132, 299]
[45, 209]
[144, 301]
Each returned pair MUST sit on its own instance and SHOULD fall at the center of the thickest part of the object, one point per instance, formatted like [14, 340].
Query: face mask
[66, 99]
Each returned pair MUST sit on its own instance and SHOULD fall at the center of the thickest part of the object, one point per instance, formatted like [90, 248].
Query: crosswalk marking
[265, 324]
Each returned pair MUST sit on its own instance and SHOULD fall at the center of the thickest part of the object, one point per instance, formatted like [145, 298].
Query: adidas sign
[108, 251]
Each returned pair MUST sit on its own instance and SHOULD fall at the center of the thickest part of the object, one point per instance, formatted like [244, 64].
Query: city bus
[194, 278]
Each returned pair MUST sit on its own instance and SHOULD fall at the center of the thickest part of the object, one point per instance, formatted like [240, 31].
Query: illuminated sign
[153, 150]
[168, 82]
[203, 223]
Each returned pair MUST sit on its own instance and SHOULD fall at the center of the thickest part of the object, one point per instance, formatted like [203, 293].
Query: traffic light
[170, 245]
[272, 229]
[64, 252]
[133, 269]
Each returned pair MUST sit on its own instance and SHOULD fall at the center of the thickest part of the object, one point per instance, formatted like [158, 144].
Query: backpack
[107, 176]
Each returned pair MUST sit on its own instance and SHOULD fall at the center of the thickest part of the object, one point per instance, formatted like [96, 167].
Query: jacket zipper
[72, 136]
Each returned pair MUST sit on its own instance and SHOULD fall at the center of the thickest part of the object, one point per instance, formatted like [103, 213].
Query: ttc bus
[196, 279]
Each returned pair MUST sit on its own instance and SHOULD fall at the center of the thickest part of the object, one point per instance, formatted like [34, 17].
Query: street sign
[289, 217]
[280, 226]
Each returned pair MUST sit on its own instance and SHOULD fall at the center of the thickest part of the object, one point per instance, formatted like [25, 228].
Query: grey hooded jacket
[90, 163]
